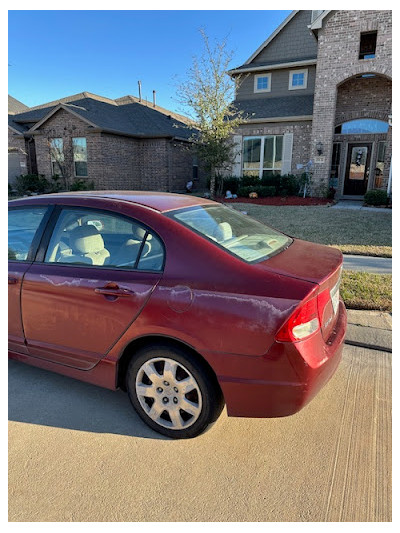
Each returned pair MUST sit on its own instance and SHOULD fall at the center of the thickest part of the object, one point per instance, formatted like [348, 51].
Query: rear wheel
[174, 393]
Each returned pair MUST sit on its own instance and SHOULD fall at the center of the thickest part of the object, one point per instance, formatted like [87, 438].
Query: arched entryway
[362, 135]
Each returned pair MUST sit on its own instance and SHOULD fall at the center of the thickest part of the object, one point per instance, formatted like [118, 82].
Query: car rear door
[78, 297]
[25, 227]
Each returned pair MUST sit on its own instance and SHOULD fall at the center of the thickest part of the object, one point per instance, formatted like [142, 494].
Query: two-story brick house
[125, 143]
[319, 89]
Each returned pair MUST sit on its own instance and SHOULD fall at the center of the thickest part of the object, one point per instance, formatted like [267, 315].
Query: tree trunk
[212, 184]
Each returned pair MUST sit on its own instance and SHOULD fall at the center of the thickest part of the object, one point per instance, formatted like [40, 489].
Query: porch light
[319, 148]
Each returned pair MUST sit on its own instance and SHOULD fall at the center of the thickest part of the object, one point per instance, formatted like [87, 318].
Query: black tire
[206, 397]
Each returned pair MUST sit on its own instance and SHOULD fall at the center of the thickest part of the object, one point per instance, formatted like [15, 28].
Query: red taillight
[306, 319]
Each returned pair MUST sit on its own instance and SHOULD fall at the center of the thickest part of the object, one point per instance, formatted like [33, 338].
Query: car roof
[160, 201]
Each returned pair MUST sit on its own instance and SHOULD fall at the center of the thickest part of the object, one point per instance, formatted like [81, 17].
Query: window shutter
[287, 153]
[237, 163]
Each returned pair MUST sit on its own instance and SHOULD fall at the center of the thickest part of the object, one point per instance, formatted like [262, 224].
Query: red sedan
[183, 302]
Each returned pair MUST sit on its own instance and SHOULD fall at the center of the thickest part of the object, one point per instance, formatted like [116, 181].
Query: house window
[56, 156]
[362, 125]
[335, 165]
[298, 79]
[262, 83]
[262, 156]
[380, 164]
[80, 156]
[367, 45]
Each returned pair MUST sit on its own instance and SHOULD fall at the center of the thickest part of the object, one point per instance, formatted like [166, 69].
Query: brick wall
[338, 52]
[115, 161]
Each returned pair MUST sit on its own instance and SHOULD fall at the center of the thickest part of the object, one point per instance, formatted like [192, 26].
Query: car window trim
[47, 234]
[37, 238]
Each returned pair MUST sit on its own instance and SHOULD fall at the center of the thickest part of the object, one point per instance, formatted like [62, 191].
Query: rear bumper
[287, 377]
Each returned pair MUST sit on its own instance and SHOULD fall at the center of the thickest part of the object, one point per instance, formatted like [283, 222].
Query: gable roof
[272, 36]
[15, 106]
[125, 116]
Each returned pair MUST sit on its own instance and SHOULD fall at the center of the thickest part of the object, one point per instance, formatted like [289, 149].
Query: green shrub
[31, 183]
[82, 185]
[230, 183]
[376, 197]
[261, 190]
[246, 181]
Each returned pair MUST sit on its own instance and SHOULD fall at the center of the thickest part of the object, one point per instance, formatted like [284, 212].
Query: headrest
[86, 240]
[223, 232]
[138, 232]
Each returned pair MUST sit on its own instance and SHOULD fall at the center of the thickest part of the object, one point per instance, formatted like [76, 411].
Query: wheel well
[135, 345]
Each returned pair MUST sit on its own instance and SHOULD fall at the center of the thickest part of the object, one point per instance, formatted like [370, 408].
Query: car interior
[103, 242]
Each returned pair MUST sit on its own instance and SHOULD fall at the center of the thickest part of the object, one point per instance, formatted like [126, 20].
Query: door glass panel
[358, 162]
[22, 226]
[90, 237]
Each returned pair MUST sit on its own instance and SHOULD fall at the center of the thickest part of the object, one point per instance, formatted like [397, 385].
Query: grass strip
[362, 290]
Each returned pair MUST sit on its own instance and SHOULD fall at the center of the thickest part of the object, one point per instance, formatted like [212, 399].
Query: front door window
[357, 169]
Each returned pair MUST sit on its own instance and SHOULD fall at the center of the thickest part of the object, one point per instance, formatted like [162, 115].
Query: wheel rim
[168, 393]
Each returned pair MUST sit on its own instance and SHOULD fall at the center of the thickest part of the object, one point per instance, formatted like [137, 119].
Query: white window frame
[262, 167]
[257, 77]
[76, 161]
[298, 71]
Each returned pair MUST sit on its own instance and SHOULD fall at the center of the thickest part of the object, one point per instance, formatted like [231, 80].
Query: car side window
[91, 237]
[23, 224]
[152, 256]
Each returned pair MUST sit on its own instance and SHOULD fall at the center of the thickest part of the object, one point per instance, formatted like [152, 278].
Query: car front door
[25, 226]
[93, 275]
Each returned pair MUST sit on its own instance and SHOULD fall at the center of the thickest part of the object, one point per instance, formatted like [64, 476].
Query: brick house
[125, 143]
[319, 89]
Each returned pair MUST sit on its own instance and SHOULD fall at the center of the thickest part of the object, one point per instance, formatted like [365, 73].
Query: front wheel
[174, 393]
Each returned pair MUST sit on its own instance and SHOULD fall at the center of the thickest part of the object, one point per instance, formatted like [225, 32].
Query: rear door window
[23, 225]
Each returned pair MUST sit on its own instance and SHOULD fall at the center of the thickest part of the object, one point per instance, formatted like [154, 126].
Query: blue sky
[52, 54]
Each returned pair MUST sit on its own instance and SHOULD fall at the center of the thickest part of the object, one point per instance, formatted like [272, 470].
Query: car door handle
[12, 280]
[113, 291]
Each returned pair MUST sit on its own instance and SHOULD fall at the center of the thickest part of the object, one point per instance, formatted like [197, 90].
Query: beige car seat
[87, 247]
[128, 252]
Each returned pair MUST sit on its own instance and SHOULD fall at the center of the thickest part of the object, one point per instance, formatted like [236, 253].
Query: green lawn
[352, 231]
[362, 290]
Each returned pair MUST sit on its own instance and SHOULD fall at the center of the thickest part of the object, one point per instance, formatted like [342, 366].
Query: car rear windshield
[237, 233]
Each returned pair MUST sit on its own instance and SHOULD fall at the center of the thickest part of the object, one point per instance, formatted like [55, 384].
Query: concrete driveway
[79, 453]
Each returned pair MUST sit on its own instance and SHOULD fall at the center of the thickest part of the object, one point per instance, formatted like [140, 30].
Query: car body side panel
[66, 321]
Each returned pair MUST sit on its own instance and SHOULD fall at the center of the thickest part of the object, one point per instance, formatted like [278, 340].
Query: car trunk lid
[317, 264]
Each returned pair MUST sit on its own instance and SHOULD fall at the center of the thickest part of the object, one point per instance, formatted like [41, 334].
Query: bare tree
[207, 95]
[61, 155]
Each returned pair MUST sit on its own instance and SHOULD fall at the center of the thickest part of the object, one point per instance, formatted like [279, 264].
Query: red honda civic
[184, 303]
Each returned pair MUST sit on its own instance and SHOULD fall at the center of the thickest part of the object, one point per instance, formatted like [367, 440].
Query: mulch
[277, 200]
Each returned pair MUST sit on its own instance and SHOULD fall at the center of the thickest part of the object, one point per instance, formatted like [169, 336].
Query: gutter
[278, 119]
[264, 68]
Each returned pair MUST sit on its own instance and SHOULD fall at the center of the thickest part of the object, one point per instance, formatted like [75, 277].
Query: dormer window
[368, 45]
[298, 79]
[262, 83]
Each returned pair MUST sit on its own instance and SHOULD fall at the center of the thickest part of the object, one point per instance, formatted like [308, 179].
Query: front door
[357, 169]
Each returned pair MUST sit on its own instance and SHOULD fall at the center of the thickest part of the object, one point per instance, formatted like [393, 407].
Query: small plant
[376, 197]
[31, 183]
[261, 190]
[82, 185]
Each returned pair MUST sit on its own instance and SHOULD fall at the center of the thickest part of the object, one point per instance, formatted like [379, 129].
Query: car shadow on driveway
[37, 396]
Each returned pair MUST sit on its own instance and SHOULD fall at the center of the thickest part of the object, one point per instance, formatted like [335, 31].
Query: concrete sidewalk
[369, 329]
[363, 263]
